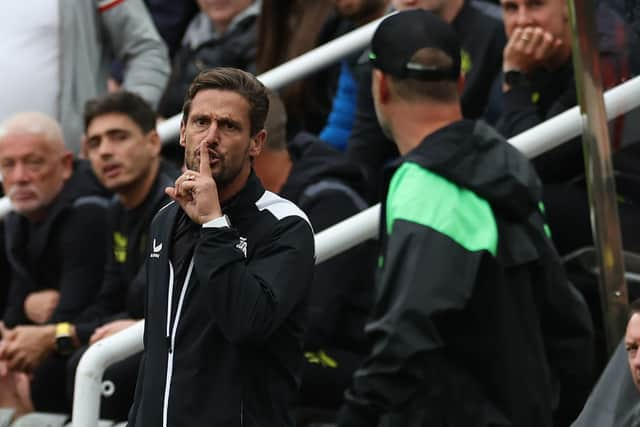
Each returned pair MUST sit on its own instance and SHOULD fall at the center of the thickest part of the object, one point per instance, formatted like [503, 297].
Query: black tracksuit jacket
[230, 352]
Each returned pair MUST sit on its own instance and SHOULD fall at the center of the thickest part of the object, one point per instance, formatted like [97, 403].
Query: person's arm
[81, 252]
[252, 300]
[14, 313]
[429, 268]
[136, 42]
[527, 50]
[249, 299]
[567, 330]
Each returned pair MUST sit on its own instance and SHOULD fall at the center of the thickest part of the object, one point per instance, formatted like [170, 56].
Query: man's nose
[105, 149]
[523, 17]
[636, 360]
[20, 173]
[212, 133]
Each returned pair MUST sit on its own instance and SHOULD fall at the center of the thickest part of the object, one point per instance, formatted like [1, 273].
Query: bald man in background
[54, 243]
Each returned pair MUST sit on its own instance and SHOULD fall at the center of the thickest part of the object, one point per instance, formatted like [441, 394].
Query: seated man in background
[54, 244]
[124, 150]
[327, 187]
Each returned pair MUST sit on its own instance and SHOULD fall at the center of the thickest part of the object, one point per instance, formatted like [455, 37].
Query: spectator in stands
[472, 303]
[228, 274]
[286, 30]
[222, 34]
[349, 15]
[327, 187]
[57, 74]
[632, 342]
[54, 242]
[482, 40]
[538, 77]
[614, 401]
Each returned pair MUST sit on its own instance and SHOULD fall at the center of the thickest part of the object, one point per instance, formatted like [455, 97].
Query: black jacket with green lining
[475, 323]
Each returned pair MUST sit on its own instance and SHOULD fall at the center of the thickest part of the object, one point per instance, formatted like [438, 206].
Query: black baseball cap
[401, 35]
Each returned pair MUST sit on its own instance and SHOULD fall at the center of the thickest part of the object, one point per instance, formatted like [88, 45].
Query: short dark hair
[235, 80]
[445, 91]
[123, 102]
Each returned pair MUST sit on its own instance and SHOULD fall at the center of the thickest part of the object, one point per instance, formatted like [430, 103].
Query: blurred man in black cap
[474, 321]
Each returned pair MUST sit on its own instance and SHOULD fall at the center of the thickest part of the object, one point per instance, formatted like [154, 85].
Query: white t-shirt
[29, 57]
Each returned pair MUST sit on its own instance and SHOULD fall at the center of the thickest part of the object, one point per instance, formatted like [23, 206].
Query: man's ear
[155, 142]
[257, 143]
[380, 86]
[183, 140]
[67, 165]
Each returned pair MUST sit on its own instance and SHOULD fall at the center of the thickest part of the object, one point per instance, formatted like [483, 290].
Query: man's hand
[529, 48]
[196, 192]
[110, 329]
[39, 306]
[25, 347]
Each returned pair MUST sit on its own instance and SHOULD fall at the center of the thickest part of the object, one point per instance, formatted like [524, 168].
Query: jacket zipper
[171, 334]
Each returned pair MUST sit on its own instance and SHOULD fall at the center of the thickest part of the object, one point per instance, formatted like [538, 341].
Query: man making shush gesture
[228, 274]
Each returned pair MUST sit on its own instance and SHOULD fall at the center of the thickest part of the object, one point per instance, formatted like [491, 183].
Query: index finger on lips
[205, 168]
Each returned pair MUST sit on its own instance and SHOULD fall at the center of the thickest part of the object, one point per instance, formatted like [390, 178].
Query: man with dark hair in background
[474, 321]
[123, 147]
[228, 274]
[328, 188]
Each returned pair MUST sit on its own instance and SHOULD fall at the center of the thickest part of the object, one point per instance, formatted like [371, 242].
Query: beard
[224, 172]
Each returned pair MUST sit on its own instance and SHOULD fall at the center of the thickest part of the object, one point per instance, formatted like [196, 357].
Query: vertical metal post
[599, 170]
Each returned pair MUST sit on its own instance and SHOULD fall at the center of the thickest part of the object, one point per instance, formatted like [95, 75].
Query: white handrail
[97, 358]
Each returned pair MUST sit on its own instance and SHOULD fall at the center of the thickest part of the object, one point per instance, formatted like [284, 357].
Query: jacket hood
[475, 156]
[314, 160]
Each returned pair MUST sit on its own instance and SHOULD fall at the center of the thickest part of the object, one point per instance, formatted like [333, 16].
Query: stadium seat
[41, 419]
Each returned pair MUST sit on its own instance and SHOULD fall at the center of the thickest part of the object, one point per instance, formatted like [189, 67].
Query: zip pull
[169, 348]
